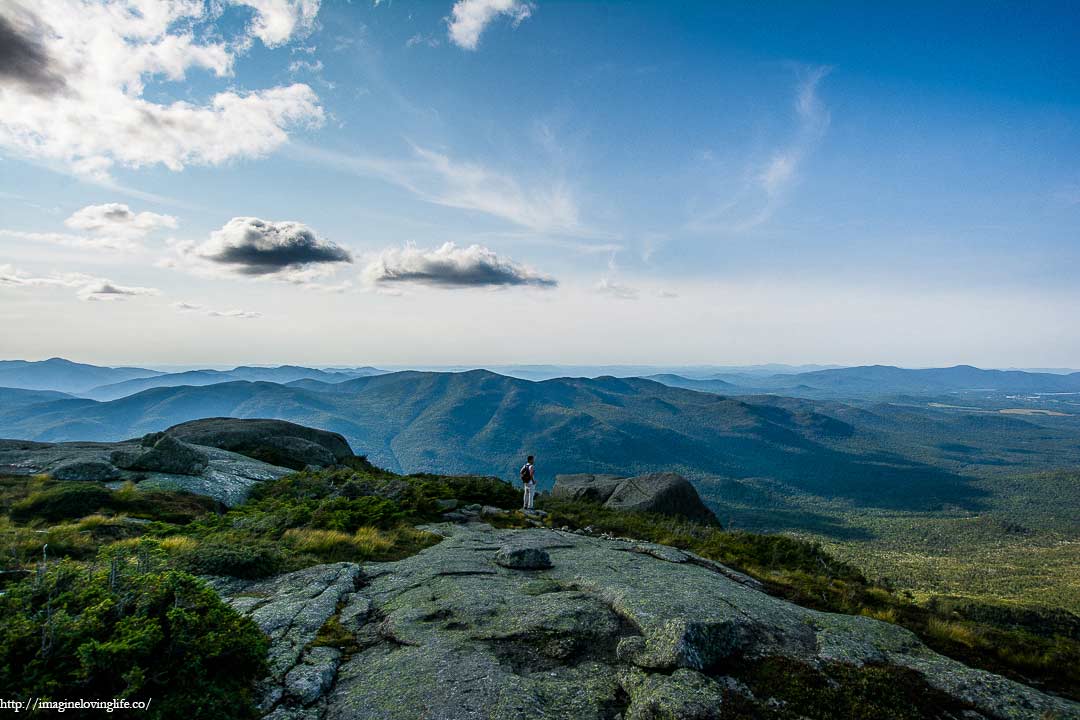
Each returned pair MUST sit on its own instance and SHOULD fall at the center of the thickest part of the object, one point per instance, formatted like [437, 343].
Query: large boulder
[168, 455]
[586, 486]
[276, 442]
[666, 493]
[86, 470]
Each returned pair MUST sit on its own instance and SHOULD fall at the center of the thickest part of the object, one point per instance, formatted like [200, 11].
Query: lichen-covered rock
[291, 609]
[523, 558]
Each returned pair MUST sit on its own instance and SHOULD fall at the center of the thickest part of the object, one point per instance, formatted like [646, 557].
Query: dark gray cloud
[452, 267]
[24, 60]
[251, 246]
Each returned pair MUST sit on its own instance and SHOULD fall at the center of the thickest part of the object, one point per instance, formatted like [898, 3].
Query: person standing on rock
[528, 480]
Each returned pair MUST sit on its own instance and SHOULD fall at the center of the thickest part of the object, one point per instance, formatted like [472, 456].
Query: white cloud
[112, 226]
[87, 287]
[298, 66]
[283, 250]
[277, 22]
[117, 218]
[422, 39]
[186, 307]
[469, 18]
[90, 111]
[450, 266]
[617, 290]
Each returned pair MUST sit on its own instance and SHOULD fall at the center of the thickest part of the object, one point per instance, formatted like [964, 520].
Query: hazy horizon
[496, 182]
[628, 368]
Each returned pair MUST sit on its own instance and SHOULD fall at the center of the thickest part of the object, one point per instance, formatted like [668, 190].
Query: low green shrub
[233, 554]
[121, 629]
[54, 501]
[63, 501]
[349, 515]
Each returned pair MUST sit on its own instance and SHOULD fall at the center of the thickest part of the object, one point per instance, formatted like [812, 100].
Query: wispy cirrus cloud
[768, 183]
[87, 287]
[469, 18]
[72, 84]
[544, 207]
[450, 266]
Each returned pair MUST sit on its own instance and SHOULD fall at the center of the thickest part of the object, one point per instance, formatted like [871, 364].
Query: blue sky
[494, 181]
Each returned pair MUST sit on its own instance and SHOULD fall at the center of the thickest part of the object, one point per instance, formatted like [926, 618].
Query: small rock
[455, 517]
[523, 558]
[446, 504]
[491, 511]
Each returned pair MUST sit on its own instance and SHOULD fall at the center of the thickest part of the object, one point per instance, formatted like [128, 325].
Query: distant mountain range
[282, 374]
[480, 422]
[109, 383]
[870, 382]
[881, 381]
[63, 375]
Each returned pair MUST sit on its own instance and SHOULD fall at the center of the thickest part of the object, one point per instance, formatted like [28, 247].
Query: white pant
[530, 491]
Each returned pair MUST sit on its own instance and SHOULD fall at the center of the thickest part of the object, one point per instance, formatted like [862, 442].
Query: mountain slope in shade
[282, 374]
[63, 375]
[18, 397]
[480, 422]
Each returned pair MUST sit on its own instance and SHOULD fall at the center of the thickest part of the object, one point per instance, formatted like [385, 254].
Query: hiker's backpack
[526, 476]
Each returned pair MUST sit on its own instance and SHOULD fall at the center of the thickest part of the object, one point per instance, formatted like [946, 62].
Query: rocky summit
[219, 457]
[583, 627]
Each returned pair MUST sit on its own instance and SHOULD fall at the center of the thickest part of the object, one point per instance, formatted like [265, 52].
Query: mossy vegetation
[792, 690]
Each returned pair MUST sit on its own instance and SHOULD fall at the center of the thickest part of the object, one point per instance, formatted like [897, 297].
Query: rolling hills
[280, 374]
[478, 421]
